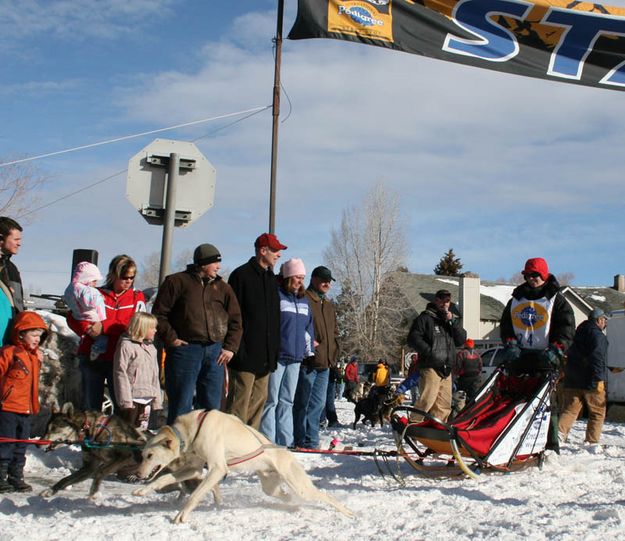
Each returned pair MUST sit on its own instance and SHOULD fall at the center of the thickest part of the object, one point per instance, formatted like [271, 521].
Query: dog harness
[233, 461]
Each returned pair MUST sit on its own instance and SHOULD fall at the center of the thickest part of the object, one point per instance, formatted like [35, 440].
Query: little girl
[135, 371]
[85, 302]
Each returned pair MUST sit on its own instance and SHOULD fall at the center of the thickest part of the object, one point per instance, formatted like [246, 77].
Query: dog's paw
[143, 491]
[47, 493]
[180, 518]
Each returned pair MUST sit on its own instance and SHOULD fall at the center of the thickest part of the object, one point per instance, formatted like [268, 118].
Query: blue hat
[596, 313]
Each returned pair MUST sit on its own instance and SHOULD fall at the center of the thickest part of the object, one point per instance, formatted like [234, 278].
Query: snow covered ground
[578, 495]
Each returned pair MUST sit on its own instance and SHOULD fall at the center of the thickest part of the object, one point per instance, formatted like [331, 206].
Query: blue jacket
[411, 381]
[296, 327]
[587, 358]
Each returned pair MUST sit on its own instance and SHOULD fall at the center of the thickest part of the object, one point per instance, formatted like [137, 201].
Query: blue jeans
[277, 420]
[329, 412]
[16, 426]
[94, 375]
[193, 369]
[310, 401]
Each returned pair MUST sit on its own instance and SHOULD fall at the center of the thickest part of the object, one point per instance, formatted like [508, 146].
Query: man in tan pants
[585, 374]
[435, 334]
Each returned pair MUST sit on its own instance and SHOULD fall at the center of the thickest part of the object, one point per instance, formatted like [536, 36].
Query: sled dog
[377, 406]
[223, 443]
[108, 444]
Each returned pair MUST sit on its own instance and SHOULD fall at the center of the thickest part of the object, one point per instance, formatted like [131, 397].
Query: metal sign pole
[170, 216]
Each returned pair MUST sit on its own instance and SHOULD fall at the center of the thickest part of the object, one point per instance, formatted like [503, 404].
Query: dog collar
[179, 436]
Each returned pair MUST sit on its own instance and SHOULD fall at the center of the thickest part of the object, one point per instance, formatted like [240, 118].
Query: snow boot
[4, 484]
[16, 480]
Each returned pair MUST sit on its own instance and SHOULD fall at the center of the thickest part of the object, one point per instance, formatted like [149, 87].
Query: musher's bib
[531, 321]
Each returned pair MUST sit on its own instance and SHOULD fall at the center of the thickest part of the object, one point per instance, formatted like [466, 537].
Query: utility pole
[276, 119]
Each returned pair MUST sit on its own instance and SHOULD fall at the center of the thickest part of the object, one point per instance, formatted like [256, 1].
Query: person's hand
[178, 342]
[224, 357]
[600, 387]
[95, 329]
[315, 344]
[551, 357]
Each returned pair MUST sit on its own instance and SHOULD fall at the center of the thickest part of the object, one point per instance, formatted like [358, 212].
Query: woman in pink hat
[296, 343]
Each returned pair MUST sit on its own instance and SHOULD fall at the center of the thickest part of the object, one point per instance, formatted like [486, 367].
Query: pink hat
[292, 267]
[86, 272]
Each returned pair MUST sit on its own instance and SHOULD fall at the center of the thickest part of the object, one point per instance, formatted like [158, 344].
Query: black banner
[566, 41]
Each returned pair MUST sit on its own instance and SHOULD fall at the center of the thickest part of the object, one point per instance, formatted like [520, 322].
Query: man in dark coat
[435, 334]
[537, 327]
[585, 374]
[10, 243]
[11, 293]
[256, 288]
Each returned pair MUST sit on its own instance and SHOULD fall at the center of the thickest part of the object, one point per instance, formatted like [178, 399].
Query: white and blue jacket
[296, 327]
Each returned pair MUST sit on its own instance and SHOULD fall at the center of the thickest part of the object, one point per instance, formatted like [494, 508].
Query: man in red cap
[468, 369]
[256, 288]
[537, 327]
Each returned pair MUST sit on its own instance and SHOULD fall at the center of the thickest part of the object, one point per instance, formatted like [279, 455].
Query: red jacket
[19, 368]
[119, 309]
[351, 372]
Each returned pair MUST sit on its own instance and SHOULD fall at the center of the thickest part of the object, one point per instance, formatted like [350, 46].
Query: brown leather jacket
[193, 311]
[326, 331]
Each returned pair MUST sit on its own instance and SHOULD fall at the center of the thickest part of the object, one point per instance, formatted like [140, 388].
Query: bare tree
[565, 278]
[363, 252]
[148, 274]
[148, 277]
[19, 187]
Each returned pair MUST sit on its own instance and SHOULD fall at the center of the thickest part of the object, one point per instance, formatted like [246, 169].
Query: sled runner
[503, 428]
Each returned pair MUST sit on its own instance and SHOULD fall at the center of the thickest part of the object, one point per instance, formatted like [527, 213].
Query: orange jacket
[19, 368]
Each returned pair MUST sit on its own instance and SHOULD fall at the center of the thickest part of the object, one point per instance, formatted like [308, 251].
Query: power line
[126, 137]
[250, 114]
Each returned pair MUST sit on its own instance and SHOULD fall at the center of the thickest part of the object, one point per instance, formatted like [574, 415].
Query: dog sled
[503, 428]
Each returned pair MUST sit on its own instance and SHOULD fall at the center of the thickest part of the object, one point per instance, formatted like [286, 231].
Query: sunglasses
[127, 277]
[532, 275]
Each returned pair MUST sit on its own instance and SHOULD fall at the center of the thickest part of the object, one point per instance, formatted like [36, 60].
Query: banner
[567, 41]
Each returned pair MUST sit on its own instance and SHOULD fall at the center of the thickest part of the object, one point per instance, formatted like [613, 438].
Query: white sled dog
[224, 443]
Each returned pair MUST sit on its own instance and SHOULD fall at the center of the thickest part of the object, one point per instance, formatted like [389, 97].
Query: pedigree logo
[529, 315]
[362, 18]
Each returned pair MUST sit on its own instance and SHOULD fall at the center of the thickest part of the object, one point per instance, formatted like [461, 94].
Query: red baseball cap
[269, 240]
[536, 264]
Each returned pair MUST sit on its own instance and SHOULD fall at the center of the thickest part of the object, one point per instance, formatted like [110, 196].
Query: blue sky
[498, 167]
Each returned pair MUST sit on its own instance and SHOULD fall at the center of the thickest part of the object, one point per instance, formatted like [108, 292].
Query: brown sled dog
[108, 444]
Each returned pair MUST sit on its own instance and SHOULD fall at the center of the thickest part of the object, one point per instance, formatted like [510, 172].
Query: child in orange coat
[20, 363]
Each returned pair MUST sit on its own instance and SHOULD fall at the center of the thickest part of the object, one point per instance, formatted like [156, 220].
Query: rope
[348, 452]
[31, 441]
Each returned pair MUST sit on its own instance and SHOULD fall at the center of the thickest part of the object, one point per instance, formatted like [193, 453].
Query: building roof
[419, 290]
[606, 298]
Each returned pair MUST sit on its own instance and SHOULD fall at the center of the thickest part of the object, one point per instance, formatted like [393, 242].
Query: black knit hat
[205, 254]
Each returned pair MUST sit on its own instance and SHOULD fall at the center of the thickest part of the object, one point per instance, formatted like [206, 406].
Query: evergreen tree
[449, 265]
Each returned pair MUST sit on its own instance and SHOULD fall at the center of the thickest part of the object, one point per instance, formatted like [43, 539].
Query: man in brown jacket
[310, 396]
[199, 321]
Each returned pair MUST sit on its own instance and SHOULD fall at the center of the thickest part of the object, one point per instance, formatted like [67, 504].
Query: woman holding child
[121, 301]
